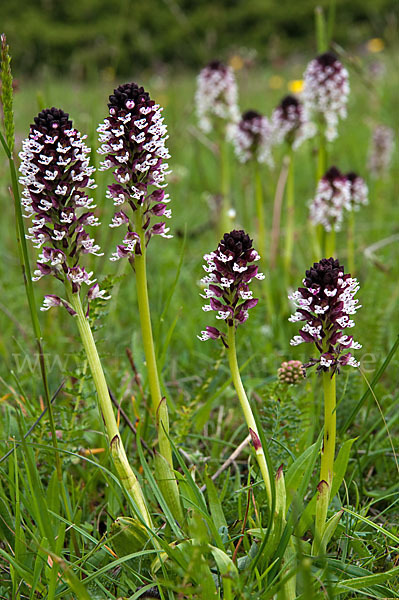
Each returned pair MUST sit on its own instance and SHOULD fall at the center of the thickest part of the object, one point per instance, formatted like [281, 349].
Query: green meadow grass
[40, 536]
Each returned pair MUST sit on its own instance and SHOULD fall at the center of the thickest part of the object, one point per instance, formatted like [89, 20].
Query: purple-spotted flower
[333, 194]
[291, 372]
[290, 123]
[56, 175]
[252, 137]
[326, 91]
[133, 140]
[358, 191]
[216, 96]
[381, 150]
[229, 271]
[326, 304]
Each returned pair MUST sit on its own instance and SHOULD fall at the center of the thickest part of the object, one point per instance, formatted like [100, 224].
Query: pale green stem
[351, 242]
[318, 231]
[225, 221]
[328, 453]
[327, 457]
[164, 469]
[329, 243]
[290, 213]
[260, 212]
[125, 472]
[321, 30]
[246, 408]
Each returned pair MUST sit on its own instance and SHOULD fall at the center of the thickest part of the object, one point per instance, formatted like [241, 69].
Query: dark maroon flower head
[216, 65]
[128, 96]
[325, 303]
[252, 137]
[52, 119]
[133, 143]
[229, 273]
[328, 59]
[290, 122]
[288, 104]
[55, 174]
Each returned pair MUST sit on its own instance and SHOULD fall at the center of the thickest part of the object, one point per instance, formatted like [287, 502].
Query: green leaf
[215, 505]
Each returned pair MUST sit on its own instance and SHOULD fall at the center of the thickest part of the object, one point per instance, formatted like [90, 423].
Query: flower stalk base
[125, 472]
[246, 409]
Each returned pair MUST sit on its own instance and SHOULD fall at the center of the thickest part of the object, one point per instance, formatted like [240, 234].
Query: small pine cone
[291, 372]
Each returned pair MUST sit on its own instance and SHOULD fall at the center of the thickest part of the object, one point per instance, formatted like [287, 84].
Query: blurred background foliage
[92, 38]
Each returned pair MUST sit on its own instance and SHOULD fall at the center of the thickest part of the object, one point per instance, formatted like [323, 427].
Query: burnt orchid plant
[229, 271]
[291, 126]
[217, 112]
[324, 307]
[56, 176]
[133, 140]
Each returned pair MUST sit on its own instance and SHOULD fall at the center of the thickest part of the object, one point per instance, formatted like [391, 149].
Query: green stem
[246, 408]
[290, 212]
[318, 231]
[164, 468]
[125, 472]
[224, 219]
[328, 453]
[329, 243]
[321, 32]
[351, 242]
[260, 213]
[327, 459]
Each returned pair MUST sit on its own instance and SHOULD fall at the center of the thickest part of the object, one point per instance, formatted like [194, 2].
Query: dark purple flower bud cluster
[229, 273]
[333, 194]
[216, 96]
[326, 303]
[290, 123]
[291, 372]
[55, 174]
[133, 143]
[358, 191]
[326, 91]
[252, 137]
